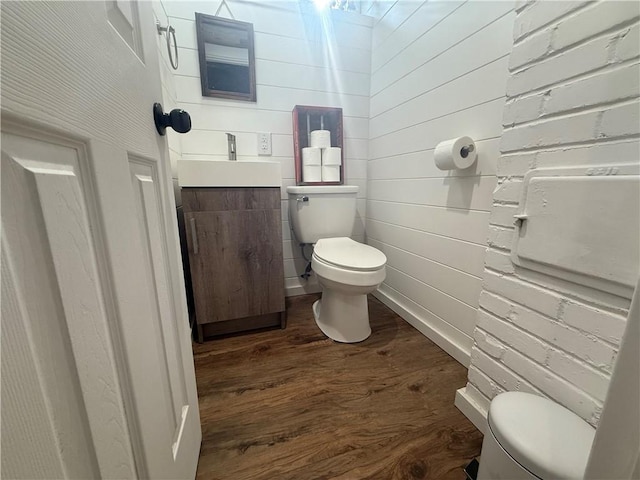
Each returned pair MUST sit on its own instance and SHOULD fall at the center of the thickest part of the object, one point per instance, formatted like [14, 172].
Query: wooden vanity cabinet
[234, 240]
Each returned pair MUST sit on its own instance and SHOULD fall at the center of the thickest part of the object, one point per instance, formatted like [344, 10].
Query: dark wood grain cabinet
[234, 240]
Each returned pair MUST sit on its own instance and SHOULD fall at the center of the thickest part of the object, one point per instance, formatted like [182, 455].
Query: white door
[97, 370]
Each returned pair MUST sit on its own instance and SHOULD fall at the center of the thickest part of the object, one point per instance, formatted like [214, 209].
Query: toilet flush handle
[302, 199]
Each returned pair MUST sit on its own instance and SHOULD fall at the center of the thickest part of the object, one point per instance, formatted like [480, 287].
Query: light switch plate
[264, 143]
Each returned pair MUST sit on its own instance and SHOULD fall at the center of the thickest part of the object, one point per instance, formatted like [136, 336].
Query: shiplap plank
[446, 335]
[294, 267]
[215, 142]
[482, 85]
[427, 16]
[355, 168]
[456, 313]
[392, 19]
[286, 74]
[276, 98]
[228, 118]
[467, 257]
[355, 127]
[356, 148]
[468, 19]
[454, 192]
[479, 122]
[480, 49]
[460, 285]
[237, 120]
[286, 231]
[293, 50]
[421, 164]
[291, 249]
[361, 209]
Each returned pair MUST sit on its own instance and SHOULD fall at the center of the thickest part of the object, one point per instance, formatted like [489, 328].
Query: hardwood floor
[292, 404]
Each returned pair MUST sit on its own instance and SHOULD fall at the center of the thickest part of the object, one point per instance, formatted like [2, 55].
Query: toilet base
[497, 464]
[343, 318]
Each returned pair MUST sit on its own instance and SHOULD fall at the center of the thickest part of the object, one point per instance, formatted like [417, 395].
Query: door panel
[145, 186]
[123, 16]
[50, 257]
[93, 272]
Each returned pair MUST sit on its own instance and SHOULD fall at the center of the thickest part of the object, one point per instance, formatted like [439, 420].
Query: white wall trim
[448, 345]
[471, 409]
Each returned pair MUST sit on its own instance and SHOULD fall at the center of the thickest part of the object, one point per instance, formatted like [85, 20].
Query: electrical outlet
[264, 143]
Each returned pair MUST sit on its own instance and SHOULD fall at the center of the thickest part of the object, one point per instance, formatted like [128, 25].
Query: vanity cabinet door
[235, 252]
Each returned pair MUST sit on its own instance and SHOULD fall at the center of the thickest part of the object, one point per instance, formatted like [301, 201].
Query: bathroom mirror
[227, 59]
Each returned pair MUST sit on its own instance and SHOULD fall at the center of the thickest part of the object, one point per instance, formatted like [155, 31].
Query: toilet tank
[317, 212]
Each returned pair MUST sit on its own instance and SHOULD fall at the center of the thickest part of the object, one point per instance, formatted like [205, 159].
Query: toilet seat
[346, 276]
[348, 254]
[347, 262]
[544, 437]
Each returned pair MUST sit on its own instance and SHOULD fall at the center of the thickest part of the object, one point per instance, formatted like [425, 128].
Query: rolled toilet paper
[311, 156]
[455, 154]
[332, 156]
[321, 138]
[330, 173]
[311, 173]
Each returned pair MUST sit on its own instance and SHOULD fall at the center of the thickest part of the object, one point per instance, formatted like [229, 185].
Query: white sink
[208, 173]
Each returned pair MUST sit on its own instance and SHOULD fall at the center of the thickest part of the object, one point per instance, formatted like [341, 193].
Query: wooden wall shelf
[309, 118]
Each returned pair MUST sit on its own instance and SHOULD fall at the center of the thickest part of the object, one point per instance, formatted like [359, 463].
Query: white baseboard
[449, 345]
[471, 409]
[296, 286]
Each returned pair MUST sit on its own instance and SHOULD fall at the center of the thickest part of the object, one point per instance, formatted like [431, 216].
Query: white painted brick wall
[500, 237]
[502, 214]
[599, 322]
[589, 21]
[499, 261]
[572, 99]
[508, 190]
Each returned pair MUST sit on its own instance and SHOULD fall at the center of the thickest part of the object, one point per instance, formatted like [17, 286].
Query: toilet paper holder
[466, 150]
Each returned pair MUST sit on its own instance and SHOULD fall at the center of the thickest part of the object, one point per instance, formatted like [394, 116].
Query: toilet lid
[543, 436]
[346, 253]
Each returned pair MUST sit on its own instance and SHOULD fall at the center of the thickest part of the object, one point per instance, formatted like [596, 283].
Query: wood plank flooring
[292, 404]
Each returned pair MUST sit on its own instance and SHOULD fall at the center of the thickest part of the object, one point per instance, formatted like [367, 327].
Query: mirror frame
[203, 20]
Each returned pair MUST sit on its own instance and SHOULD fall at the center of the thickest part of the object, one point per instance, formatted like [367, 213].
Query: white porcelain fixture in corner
[207, 173]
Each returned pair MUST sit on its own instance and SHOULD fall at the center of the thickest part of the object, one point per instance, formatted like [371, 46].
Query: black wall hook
[178, 119]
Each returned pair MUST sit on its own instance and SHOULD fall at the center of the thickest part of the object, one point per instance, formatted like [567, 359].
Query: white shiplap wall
[302, 58]
[439, 70]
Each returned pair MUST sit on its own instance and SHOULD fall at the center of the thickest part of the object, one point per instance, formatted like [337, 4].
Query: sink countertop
[228, 173]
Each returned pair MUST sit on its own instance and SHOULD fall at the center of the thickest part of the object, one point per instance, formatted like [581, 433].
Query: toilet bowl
[324, 216]
[347, 271]
[530, 437]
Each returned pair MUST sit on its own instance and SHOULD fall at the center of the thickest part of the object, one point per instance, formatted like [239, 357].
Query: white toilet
[531, 438]
[346, 270]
